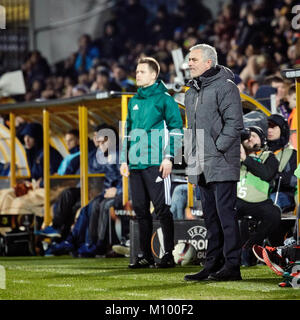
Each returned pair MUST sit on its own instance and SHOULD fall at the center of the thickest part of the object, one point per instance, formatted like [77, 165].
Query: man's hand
[165, 168]
[242, 153]
[124, 170]
[110, 192]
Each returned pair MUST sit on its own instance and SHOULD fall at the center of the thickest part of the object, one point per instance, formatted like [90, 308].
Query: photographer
[258, 168]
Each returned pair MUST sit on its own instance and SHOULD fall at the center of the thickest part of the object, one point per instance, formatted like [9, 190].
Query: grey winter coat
[213, 105]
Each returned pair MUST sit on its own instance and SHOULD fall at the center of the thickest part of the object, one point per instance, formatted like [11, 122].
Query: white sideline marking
[136, 294]
[59, 285]
[250, 287]
[95, 289]
[22, 281]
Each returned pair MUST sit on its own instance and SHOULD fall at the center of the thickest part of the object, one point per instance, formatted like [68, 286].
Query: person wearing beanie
[32, 199]
[283, 191]
[33, 140]
[258, 168]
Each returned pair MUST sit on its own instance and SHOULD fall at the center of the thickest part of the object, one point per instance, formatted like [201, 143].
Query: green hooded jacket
[153, 128]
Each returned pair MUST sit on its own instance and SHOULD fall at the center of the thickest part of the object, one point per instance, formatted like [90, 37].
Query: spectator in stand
[32, 200]
[33, 138]
[49, 91]
[110, 42]
[239, 83]
[235, 61]
[69, 66]
[253, 86]
[133, 24]
[71, 163]
[68, 87]
[87, 52]
[160, 27]
[252, 37]
[35, 68]
[92, 76]
[225, 25]
[281, 101]
[35, 90]
[20, 124]
[83, 79]
[103, 83]
[66, 206]
[120, 77]
[59, 85]
[257, 67]
[79, 241]
[79, 90]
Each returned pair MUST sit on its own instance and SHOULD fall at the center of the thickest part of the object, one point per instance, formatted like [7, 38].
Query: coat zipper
[202, 96]
[195, 111]
[196, 103]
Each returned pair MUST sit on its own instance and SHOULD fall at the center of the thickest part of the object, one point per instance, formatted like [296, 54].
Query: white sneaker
[121, 249]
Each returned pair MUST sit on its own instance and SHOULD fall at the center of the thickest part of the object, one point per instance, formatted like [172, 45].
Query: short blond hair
[152, 63]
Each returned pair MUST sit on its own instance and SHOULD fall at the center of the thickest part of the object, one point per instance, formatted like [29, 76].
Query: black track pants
[147, 185]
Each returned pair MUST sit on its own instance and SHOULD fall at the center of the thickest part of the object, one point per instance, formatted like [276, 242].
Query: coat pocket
[215, 130]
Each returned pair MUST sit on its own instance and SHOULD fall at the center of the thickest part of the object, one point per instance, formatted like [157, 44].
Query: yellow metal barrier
[47, 214]
[12, 150]
[124, 106]
[83, 135]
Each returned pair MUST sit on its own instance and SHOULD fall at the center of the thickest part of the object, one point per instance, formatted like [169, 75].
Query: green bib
[283, 157]
[250, 187]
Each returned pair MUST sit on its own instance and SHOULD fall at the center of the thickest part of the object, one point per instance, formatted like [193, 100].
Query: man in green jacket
[153, 131]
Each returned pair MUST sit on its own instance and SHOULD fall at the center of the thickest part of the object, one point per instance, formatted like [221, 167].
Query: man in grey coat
[215, 120]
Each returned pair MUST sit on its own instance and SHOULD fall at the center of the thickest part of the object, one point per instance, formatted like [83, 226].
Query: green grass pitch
[67, 278]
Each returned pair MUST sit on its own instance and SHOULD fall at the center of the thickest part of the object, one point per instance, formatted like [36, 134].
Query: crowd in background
[253, 38]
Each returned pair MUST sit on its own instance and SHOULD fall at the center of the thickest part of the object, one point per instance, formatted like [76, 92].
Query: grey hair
[209, 53]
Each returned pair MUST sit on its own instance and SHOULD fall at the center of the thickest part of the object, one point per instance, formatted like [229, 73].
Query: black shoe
[200, 276]
[226, 274]
[142, 262]
[211, 265]
[167, 261]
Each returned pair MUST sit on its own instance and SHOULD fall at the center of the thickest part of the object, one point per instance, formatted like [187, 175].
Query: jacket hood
[222, 73]
[284, 132]
[34, 130]
[157, 88]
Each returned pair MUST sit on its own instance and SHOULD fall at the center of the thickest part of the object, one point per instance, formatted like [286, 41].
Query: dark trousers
[65, 209]
[224, 244]
[268, 217]
[99, 221]
[147, 185]
[80, 233]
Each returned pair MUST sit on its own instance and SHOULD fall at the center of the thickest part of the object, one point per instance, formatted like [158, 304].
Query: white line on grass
[21, 281]
[59, 285]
